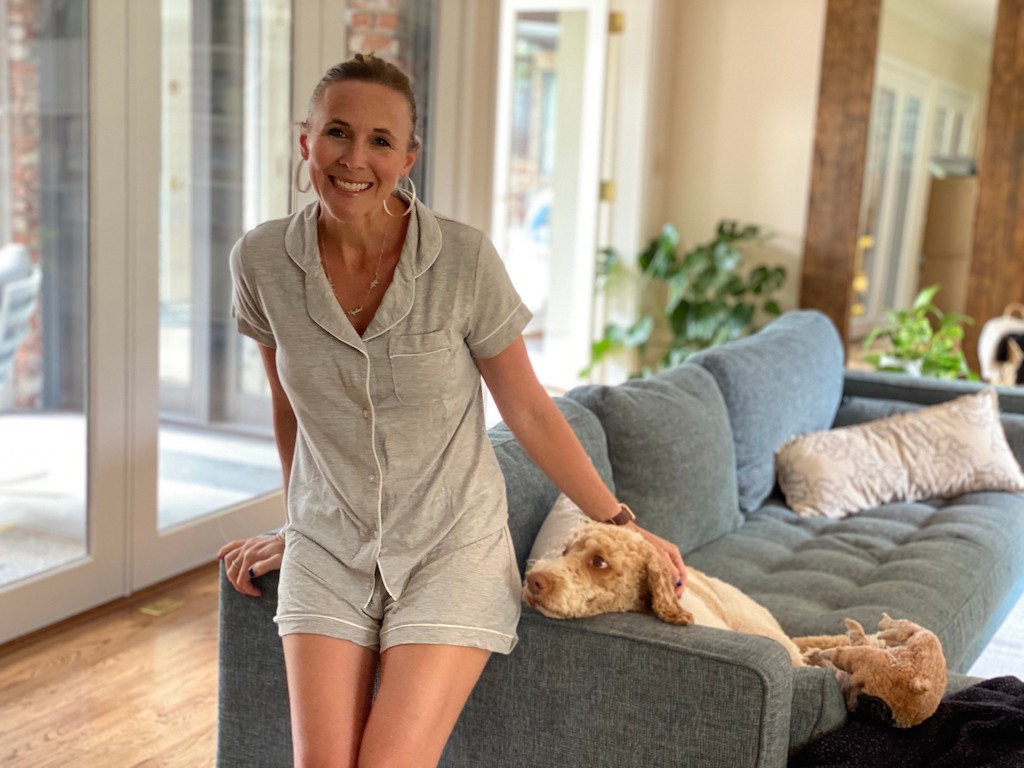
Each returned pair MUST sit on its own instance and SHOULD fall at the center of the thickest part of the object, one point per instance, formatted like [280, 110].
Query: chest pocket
[421, 366]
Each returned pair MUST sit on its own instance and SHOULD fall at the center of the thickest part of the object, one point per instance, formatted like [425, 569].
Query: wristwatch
[625, 515]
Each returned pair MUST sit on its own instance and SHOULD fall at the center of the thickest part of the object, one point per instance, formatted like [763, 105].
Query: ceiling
[976, 17]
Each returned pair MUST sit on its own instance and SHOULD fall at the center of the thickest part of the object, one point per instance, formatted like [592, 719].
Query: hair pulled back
[369, 68]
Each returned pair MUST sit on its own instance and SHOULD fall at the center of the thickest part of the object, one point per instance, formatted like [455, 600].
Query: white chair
[19, 295]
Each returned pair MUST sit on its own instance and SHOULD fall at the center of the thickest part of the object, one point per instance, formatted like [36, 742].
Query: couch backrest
[783, 380]
[671, 451]
[530, 494]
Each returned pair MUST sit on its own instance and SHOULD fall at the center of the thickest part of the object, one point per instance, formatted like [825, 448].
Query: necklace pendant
[374, 284]
[354, 312]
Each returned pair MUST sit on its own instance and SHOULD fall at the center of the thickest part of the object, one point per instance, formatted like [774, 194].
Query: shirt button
[371, 478]
[366, 414]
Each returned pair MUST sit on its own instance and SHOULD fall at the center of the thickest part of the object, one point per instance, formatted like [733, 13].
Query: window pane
[225, 150]
[43, 286]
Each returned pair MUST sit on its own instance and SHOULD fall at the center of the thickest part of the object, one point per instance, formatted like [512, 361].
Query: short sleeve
[246, 307]
[499, 315]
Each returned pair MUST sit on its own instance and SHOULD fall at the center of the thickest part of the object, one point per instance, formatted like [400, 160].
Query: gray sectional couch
[691, 450]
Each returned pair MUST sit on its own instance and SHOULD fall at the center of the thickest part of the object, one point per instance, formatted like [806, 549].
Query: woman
[376, 320]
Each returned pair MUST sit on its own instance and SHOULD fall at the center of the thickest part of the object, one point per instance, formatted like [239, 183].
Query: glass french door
[213, 82]
[51, 557]
[139, 139]
[893, 194]
[551, 83]
[916, 121]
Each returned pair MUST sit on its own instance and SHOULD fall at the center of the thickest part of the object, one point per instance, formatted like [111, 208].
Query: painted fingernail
[678, 583]
[252, 574]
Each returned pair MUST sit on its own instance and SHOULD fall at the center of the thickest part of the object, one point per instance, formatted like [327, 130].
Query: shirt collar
[421, 248]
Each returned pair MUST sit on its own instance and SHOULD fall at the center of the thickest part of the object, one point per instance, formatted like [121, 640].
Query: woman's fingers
[250, 558]
[229, 548]
[671, 553]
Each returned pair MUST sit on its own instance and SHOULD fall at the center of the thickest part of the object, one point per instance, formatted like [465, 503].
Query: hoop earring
[409, 194]
[298, 177]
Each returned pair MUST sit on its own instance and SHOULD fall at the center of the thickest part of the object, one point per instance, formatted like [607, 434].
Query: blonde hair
[369, 68]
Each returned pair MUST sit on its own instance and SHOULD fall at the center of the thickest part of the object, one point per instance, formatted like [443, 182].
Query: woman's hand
[670, 552]
[246, 559]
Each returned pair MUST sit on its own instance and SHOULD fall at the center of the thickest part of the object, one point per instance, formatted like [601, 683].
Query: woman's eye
[337, 133]
[382, 142]
[599, 562]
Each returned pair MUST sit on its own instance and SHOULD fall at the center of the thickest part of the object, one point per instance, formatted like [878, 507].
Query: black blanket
[979, 727]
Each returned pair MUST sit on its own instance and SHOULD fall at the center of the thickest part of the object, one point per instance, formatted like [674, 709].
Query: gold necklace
[374, 282]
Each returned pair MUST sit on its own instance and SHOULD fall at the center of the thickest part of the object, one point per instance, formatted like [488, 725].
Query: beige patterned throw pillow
[937, 452]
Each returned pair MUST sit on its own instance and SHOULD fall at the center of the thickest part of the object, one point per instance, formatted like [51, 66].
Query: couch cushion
[671, 453]
[955, 567]
[530, 494]
[783, 380]
[937, 452]
[564, 518]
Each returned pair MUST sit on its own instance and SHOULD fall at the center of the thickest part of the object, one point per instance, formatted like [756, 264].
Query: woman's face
[356, 142]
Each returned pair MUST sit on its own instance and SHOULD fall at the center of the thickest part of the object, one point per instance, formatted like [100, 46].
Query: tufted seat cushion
[944, 564]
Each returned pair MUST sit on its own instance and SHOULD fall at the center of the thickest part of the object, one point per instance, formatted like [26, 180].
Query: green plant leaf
[707, 301]
[923, 301]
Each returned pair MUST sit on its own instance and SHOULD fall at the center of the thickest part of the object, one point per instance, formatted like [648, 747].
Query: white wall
[921, 39]
[737, 123]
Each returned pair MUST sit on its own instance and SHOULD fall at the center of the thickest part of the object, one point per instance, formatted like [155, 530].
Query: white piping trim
[279, 619]
[380, 482]
[500, 326]
[422, 354]
[447, 626]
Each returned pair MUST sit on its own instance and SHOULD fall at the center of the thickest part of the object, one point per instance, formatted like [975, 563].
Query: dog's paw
[816, 657]
[896, 631]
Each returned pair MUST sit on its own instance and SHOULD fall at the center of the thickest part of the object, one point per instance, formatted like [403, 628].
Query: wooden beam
[997, 259]
[840, 149]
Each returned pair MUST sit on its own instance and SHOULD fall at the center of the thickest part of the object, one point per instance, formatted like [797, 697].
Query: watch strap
[623, 517]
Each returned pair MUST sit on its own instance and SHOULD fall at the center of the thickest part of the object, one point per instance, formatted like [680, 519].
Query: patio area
[43, 518]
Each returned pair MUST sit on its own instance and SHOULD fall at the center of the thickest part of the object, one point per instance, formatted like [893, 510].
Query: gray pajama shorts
[467, 597]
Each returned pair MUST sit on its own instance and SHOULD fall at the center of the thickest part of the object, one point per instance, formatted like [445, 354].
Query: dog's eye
[565, 552]
[599, 562]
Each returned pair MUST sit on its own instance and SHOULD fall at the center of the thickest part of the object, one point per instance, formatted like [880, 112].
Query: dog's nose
[538, 583]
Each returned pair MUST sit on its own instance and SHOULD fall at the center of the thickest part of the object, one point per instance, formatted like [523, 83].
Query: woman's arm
[245, 559]
[550, 442]
[285, 426]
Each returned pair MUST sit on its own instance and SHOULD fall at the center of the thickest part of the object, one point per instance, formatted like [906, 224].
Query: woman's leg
[330, 689]
[423, 689]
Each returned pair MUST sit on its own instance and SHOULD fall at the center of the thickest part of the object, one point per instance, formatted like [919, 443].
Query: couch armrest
[869, 395]
[925, 390]
[253, 721]
[627, 689]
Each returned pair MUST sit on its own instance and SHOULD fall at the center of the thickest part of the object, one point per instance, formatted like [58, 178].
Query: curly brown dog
[607, 569]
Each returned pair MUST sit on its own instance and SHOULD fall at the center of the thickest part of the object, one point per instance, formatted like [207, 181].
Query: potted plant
[700, 297]
[922, 341]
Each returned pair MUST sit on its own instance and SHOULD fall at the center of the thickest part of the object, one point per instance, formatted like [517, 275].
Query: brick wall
[22, 62]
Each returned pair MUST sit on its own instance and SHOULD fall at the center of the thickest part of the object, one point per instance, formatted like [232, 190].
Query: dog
[608, 569]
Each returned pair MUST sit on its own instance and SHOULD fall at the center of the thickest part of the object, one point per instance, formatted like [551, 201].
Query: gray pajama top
[392, 464]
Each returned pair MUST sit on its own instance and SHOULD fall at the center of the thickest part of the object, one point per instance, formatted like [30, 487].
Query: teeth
[348, 187]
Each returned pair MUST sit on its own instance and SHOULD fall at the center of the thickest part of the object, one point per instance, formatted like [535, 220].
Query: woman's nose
[353, 156]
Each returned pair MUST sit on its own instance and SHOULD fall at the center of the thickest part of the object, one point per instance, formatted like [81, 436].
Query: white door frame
[102, 575]
[574, 237]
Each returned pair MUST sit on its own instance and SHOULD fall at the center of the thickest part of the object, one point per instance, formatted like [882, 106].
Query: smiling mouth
[350, 186]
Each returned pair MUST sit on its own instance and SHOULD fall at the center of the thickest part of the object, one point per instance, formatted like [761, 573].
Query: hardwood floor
[117, 687]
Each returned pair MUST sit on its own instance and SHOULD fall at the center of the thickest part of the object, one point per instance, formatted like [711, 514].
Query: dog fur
[608, 569]
[902, 666]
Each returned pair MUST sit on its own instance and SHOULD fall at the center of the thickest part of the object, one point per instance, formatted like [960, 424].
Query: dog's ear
[664, 603]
